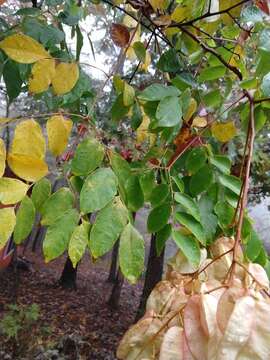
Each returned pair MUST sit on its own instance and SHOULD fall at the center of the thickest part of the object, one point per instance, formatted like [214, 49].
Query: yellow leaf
[12, 190]
[235, 12]
[128, 94]
[27, 167]
[29, 140]
[2, 157]
[23, 49]
[4, 121]
[131, 55]
[224, 132]
[129, 21]
[171, 31]
[180, 13]
[7, 224]
[147, 62]
[159, 4]
[58, 130]
[199, 122]
[192, 107]
[142, 131]
[42, 74]
[237, 56]
[65, 78]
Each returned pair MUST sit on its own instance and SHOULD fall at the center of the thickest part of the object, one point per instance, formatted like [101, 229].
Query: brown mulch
[83, 314]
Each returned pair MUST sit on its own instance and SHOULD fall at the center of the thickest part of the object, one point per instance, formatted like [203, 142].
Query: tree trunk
[69, 275]
[153, 275]
[114, 299]
[113, 269]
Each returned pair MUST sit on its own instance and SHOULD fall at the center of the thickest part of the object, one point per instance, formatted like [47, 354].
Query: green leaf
[156, 92]
[147, 181]
[137, 117]
[192, 225]
[213, 98]
[209, 221]
[131, 253]
[140, 50]
[120, 167]
[266, 85]
[189, 246]
[225, 213]
[77, 183]
[169, 112]
[169, 61]
[189, 204]
[40, 193]
[79, 43]
[184, 81]
[78, 242]
[107, 228]
[98, 190]
[88, 156]
[161, 237]
[159, 194]
[261, 258]
[221, 162]
[134, 193]
[56, 205]
[25, 218]
[212, 73]
[158, 217]
[58, 235]
[7, 224]
[179, 183]
[201, 181]
[119, 110]
[12, 78]
[254, 246]
[128, 95]
[231, 182]
[264, 40]
[196, 159]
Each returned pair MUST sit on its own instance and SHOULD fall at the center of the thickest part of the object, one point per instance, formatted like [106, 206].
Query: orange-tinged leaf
[7, 224]
[58, 130]
[41, 76]
[29, 140]
[224, 132]
[12, 190]
[2, 157]
[27, 167]
[23, 49]
[65, 78]
[120, 35]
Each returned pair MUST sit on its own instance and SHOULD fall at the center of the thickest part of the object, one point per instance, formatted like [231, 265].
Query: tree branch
[212, 51]
[208, 14]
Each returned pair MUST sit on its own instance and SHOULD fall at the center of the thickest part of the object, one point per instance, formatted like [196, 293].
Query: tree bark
[153, 275]
[113, 269]
[114, 299]
[69, 275]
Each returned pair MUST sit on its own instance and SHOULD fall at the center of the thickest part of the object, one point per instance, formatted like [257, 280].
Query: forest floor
[72, 324]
